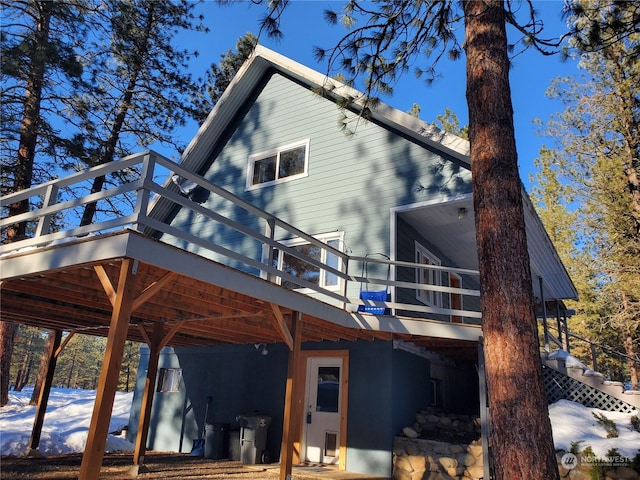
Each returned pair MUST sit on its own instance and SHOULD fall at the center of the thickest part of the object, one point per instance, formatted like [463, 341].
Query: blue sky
[304, 27]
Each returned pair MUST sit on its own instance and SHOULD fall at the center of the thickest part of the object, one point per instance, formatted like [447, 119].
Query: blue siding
[383, 396]
[353, 180]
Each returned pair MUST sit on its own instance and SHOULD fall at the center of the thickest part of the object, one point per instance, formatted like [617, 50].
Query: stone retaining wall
[420, 459]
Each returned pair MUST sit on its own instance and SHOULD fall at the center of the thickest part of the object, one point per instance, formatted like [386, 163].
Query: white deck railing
[143, 205]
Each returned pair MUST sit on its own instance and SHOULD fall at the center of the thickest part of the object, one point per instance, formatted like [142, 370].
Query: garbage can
[253, 438]
[216, 440]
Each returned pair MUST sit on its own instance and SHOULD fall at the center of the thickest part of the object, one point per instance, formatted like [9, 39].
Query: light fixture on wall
[462, 213]
[264, 348]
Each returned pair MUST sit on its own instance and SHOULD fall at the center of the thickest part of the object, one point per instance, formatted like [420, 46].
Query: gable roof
[264, 61]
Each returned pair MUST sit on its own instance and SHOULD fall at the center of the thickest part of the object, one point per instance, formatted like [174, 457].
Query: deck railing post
[44, 224]
[345, 286]
[144, 193]
[268, 251]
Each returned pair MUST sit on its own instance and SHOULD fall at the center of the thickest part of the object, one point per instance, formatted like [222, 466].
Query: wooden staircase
[566, 378]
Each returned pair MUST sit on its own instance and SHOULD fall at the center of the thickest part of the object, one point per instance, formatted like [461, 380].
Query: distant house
[396, 194]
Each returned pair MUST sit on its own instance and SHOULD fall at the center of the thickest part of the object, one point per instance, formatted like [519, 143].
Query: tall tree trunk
[42, 369]
[7, 332]
[108, 155]
[23, 172]
[520, 425]
[21, 377]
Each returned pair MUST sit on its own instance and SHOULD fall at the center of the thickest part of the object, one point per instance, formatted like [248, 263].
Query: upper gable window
[280, 165]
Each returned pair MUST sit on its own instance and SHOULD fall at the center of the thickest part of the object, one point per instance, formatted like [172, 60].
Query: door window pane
[328, 394]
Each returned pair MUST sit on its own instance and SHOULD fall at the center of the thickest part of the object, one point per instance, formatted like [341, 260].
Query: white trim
[461, 307]
[428, 297]
[449, 200]
[325, 238]
[251, 161]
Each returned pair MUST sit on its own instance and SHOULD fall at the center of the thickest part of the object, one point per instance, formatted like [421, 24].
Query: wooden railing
[142, 204]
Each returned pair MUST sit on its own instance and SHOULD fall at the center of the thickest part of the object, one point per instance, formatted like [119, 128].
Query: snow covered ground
[66, 422]
[69, 413]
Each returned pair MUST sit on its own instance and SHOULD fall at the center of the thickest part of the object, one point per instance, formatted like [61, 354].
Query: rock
[468, 460]
[445, 421]
[448, 462]
[441, 448]
[418, 462]
[475, 450]
[421, 418]
[409, 432]
[455, 472]
[475, 472]
[412, 449]
[578, 474]
[626, 473]
[403, 463]
[455, 449]
[433, 419]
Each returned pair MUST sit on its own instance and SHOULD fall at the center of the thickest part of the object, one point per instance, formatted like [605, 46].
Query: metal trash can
[216, 440]
[253, 438]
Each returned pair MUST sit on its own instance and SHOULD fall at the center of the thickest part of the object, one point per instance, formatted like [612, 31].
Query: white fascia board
[416, 326]
[70, 254]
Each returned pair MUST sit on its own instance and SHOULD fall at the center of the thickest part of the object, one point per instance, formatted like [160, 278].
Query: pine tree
[143, 90]
[219, 76]
[37, 47]
[598, 158]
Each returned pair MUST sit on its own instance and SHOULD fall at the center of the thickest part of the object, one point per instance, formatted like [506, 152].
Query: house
[303, 267]
[382, 214]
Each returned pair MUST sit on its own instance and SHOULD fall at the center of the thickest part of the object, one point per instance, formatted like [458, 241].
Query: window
[306, 271]
[428, 276]
[279, 165]
[169, 380]
[436, 392]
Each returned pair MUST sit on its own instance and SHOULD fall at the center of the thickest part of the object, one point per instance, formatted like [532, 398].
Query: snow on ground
[66, 422]
[69, 412]
[572, 422]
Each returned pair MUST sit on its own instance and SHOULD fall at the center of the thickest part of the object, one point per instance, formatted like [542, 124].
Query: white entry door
[321, 436]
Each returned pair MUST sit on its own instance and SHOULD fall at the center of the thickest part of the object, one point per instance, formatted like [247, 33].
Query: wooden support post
[559, 320]
[544, 316]
[289, 431]
[43, 398]
[147, 398]
[108, 382]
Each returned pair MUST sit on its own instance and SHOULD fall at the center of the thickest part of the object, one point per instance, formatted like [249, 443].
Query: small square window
[169, 380]
[282, 164]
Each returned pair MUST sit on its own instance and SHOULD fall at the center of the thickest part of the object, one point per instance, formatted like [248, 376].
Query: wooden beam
[167, 338]
[45, 389]
[281, 326]
[289, 434]
[147, 397]
[108, 382]
[152, 289]
[103, 276]
[144, 334]
[60, 347]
